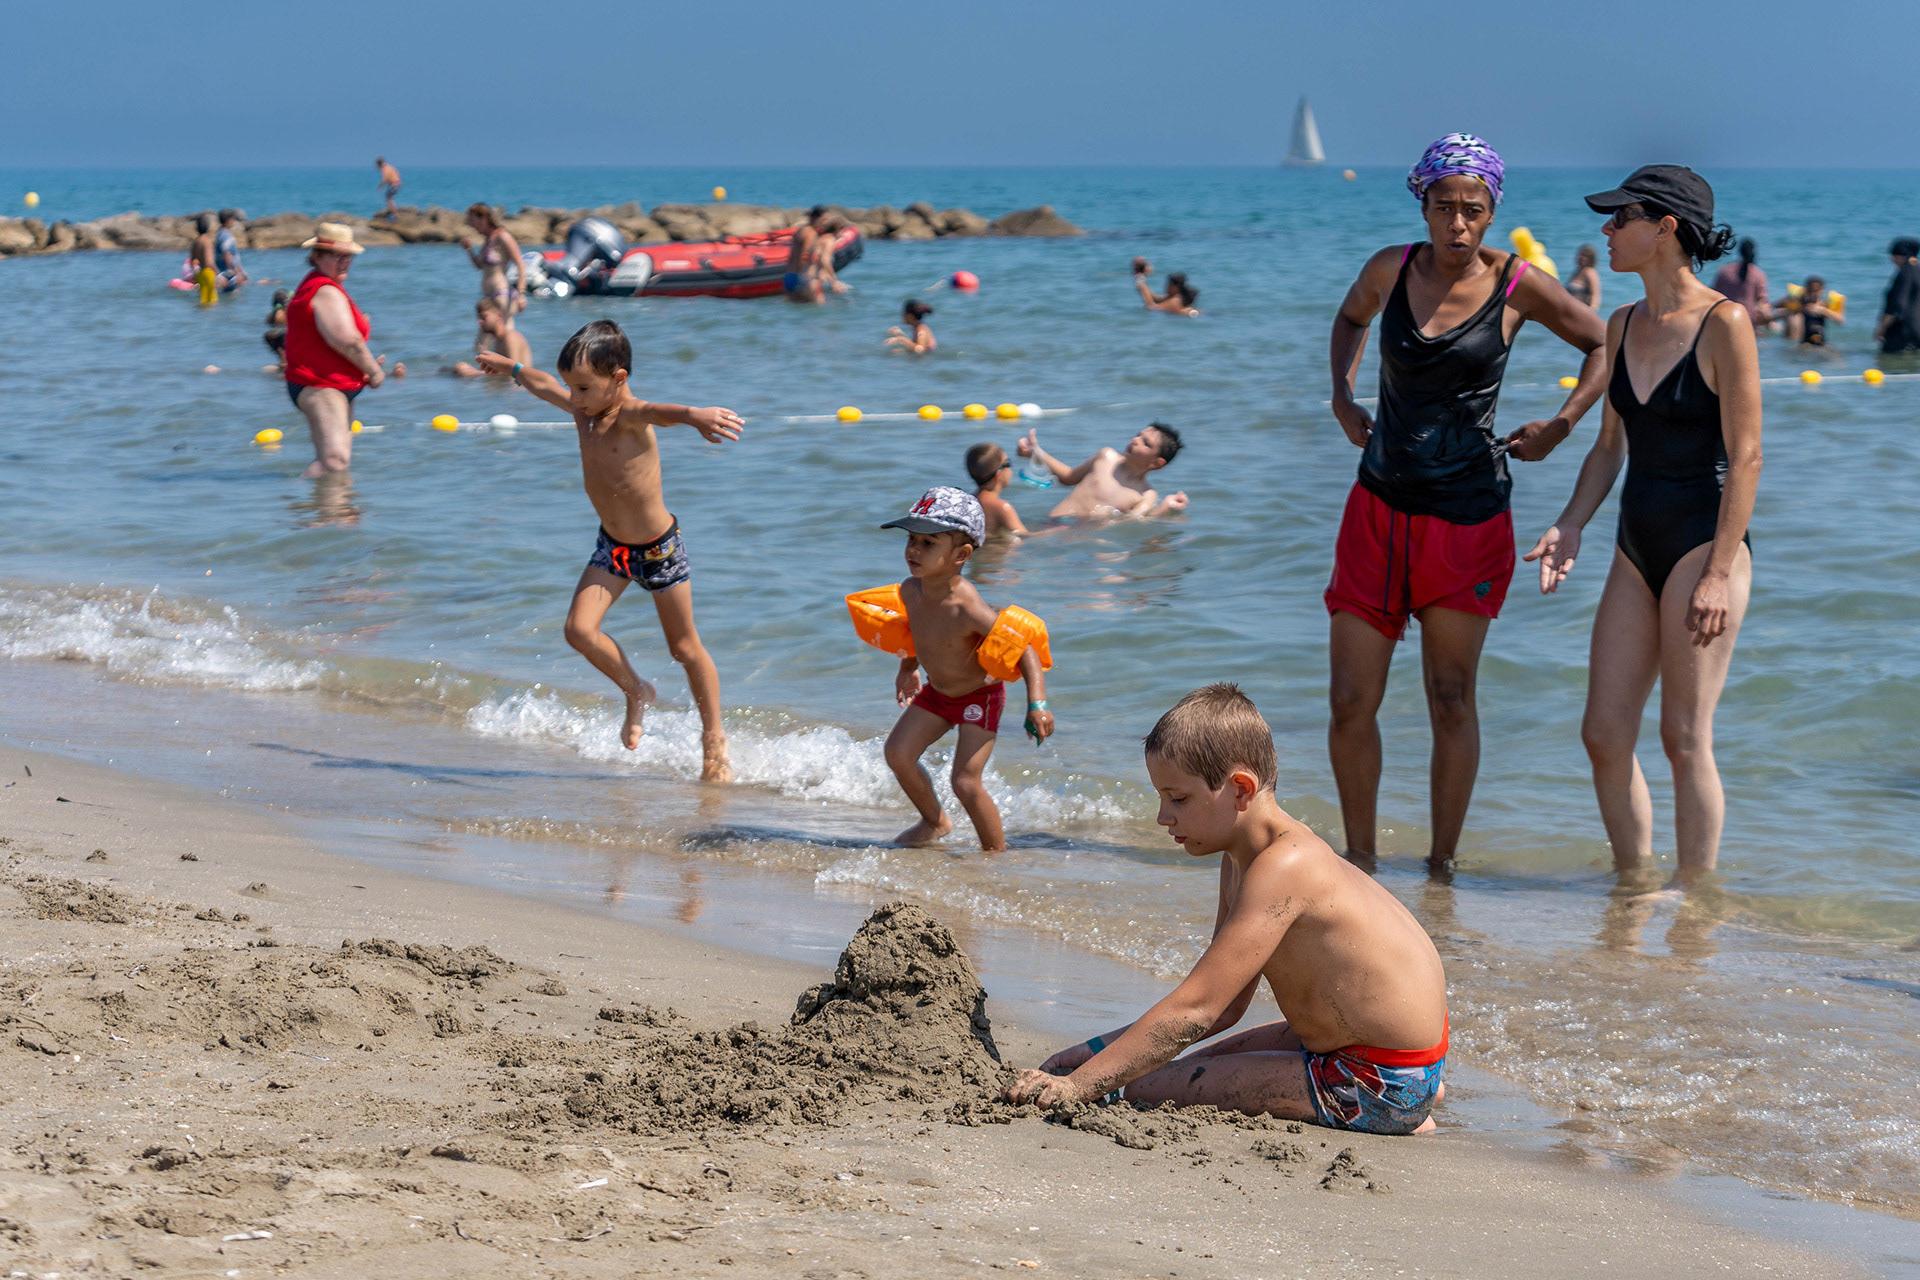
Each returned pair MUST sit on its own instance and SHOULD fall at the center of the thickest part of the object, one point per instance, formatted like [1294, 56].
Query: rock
[1038, 221]
[747, 219]
[961, 222]
[60, 238]
[17, 237]
[685, 221]
[915, 224]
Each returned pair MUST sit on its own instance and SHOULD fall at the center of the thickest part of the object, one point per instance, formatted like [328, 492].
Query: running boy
[949, 620]
[1112, 483]
[1363, 1043]
[991, 469]
[639, 537]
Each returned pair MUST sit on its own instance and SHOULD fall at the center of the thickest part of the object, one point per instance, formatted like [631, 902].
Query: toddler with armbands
[936, 622]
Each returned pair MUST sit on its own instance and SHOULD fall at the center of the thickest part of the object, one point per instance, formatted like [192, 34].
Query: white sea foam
[145, 637]
[820, 763]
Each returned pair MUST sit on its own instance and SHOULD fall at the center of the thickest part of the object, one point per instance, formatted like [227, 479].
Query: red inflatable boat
[595, 261]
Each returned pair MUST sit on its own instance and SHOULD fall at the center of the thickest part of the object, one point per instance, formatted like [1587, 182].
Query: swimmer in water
[203, 260]
[498, 337]
[799, 284]
[276, 335]
[1808, 315]
[497, 254]
[1746, 284]
[1681, 566]
[1113, 483]
[991, 471]
[1177, 300]
[1585, 285]
[1427, 531]
[226, 251]
[916, 338]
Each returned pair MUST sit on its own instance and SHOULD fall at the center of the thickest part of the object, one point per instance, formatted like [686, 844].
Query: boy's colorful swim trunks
[656, 565]
[982, 707]
[1375, 1090]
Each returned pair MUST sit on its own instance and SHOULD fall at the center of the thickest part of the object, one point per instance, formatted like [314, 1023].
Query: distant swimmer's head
[594, 365]
[203, 223]
[913, 311]
[492, 316]
[943, 528]
[985, 461]
[281, 297]
[1661, 215]
[483, 218]
[815, 214]
[1585, 257]
[1210, 757]
[1154, 446]
[1904, 249]
[1177, 283]
[1815, 288]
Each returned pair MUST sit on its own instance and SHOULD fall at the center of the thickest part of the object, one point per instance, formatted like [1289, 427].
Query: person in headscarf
[1427, 532]
[1899, 326]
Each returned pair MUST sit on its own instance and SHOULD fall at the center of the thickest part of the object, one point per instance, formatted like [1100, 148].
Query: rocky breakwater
[530, 226]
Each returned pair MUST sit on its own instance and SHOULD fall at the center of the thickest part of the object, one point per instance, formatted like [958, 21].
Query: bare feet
[714, 765]
[923, 833]
[637, 703]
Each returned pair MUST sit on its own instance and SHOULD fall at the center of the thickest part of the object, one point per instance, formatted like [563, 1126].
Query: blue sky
[855, 82]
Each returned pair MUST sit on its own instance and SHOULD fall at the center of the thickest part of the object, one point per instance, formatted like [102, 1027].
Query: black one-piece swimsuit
[1676, 462]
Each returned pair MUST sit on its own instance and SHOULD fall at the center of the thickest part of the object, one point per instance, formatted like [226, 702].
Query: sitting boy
[1363, 1043]
[949, 620]
[990, 469]
[498, 337]
[1112, 483]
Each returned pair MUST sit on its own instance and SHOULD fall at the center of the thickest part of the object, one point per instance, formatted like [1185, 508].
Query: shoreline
[531, 225]
[370, 1111]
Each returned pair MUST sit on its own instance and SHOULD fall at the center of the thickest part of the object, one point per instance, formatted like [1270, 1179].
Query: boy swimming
[639, 538]
[1363, 1040]
[1112, 483]
[990, 469]
[949, 625]
[496, 335]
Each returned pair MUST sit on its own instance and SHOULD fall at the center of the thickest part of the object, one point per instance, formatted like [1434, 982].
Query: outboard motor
[593, 246]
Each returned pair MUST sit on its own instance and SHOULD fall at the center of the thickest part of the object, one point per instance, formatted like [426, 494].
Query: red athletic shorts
[981, 707]
[1388, 565]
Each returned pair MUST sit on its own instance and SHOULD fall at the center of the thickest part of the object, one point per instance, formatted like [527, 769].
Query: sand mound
[903, 1020]
[60, 898]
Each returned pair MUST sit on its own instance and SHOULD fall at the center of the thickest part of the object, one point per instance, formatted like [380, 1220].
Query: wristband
[1096, 1044]
[517, 367]
[1039, 704]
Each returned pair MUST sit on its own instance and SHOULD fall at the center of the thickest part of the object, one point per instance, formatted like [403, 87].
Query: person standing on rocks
[327, 360]
[389, 184]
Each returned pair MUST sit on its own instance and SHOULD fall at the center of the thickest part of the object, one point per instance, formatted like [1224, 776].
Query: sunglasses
[1631, 213]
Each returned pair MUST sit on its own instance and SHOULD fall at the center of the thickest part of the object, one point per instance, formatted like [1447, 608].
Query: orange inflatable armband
[880, 618]
[1014, 632]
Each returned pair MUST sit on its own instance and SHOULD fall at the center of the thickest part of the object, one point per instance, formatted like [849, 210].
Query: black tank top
[1433, 451]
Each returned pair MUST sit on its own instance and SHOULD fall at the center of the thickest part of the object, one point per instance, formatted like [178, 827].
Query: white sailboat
[1305, 148]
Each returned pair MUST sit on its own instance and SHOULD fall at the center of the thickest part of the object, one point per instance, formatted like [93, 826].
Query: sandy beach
[234, 1053]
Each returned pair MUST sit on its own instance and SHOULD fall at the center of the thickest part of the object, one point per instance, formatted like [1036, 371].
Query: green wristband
[1036, 705]
[1096, 1044]
[517, 367]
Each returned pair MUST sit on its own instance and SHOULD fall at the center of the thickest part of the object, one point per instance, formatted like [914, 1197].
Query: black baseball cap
[1671, 188]
[1905, 247]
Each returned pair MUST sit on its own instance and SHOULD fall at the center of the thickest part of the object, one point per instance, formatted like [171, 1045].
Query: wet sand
[214, 1029]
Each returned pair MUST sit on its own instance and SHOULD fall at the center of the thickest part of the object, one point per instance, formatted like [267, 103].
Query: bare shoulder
[1288, 872]
[635, 417]
[1618, 320]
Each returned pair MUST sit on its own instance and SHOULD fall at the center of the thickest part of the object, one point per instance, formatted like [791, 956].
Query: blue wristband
[1096, 1044]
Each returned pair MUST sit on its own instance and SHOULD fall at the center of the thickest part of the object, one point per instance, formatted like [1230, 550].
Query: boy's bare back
[946, 632]
[1353, 967]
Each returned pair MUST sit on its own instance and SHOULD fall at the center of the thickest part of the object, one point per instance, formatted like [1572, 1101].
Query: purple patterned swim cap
[1457, 153]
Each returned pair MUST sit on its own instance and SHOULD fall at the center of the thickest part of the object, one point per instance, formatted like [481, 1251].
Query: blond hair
[1211, 732]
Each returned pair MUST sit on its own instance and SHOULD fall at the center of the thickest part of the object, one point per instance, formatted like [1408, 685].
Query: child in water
[639, 538]
[991, 471]
[1362, 1043]
[1177, 300]
[917, 338]
[497, 335]
[276, 335]
[1113, 483]
[949, 621]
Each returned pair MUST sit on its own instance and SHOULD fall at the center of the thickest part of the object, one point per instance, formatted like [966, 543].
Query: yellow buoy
[847, 413]
[357, 424]
[1569, 382]
[1873, 377]
[269, 435]
[1006, 411]
[931, 412]
[975, 411]
[1348, 174]
[31, 199]
[719, 193]
[446, 422]
[1811, 377]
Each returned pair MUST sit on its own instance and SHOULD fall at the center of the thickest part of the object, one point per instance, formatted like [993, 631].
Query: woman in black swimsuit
[1678, 588]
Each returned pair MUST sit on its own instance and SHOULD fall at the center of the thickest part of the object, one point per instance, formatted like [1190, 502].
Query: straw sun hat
[333, 237]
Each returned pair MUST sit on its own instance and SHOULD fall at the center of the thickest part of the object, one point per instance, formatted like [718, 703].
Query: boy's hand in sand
[1555, 551]
[715, 424]
[906, 685]
[1044, 1090]
[1068, 1059]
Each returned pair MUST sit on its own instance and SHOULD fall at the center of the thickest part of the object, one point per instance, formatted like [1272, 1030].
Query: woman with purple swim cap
[1427, 531]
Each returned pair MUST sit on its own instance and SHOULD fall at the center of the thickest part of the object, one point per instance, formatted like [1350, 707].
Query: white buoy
[503, 422]
[1030, 410]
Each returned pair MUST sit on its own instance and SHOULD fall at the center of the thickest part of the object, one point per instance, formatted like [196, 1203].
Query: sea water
[1766, 1025]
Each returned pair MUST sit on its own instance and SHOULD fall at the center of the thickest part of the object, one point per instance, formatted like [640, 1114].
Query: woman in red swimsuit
[327, 360]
